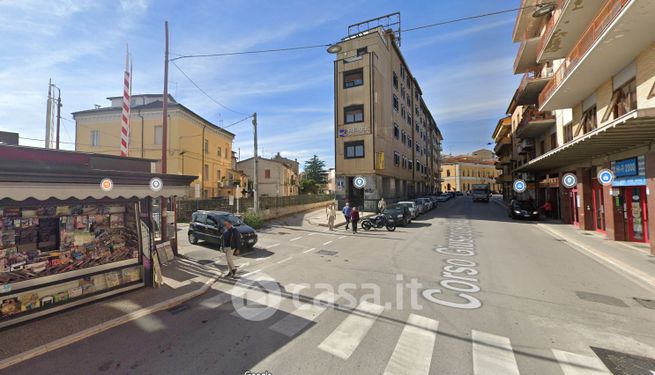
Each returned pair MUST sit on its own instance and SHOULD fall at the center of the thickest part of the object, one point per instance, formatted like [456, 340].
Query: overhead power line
[251, 52]
[466, 18]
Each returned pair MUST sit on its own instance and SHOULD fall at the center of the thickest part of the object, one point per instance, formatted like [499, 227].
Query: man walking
[346, 213]
[331, 216]
[354, 218]
[381, 205]
[231, 243]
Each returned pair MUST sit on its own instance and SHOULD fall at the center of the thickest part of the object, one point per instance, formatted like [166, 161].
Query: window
[448, 173]
[402, 72]
[226, 153]
[409, 142]
[409, 119]
[568, 132]
[404, 138]
[219, 152]
[95, 136]
[205, 173]
[362, 51]
[409, 81]
[353, 150]
[402, 111]
[395, 102]
[417, 127]
[395, 81]
[625, 99]
[206, 147]
[542, 147]
[396, 131]
[410, 164]
[553, 141]
[353, 114]
[404, 163]
[218, 174]
[267, 173]
[396, 159]
[353, 78]
[158, 134]
[418, 149]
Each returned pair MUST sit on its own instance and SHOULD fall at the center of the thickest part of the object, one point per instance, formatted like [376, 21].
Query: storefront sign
[353, 130]
[626, 167]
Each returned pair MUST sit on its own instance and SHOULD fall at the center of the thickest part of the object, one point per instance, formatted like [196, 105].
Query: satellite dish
[543, 9]
[335, 48]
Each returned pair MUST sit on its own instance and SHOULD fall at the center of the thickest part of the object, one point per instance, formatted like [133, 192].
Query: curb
[86, 333]
[342, 224]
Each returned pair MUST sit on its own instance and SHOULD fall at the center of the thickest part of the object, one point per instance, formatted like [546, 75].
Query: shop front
[65, 240]
[631, 197]
[549, 192]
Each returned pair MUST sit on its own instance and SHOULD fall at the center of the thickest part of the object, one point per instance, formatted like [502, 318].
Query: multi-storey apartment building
[460, 173]
[195, 145]
[602, 92]
[502, 135]
[383, 129]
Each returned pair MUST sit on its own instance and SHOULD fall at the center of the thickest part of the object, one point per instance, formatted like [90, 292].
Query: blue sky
[464, 69]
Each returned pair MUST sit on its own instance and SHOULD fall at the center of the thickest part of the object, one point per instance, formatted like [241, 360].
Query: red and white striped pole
[125, 116]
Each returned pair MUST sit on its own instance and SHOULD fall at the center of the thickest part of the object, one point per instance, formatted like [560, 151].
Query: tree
[309, 186]
[315, 170]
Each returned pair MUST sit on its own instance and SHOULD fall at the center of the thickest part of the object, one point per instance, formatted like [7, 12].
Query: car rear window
[198, 217]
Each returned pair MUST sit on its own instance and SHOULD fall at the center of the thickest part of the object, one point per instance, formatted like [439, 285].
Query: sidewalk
[183, 281]
[320, 218]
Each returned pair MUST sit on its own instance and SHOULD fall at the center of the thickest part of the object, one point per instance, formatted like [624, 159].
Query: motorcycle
[378, 221]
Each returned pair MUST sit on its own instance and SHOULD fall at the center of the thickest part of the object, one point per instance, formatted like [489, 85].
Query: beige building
[195, 145]
[460, 173]
[587, 103]
[277, 177]
[383, 129]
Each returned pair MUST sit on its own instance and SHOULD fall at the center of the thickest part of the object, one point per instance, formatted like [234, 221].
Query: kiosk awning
[20, 191]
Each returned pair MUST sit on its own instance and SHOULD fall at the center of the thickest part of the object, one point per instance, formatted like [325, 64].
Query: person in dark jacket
[231, 243]
[354, 218]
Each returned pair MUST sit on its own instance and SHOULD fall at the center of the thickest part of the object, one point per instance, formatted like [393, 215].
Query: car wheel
[192, 238]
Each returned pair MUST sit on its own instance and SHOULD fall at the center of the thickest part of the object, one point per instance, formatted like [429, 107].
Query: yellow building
[195, 145]
[460, 173]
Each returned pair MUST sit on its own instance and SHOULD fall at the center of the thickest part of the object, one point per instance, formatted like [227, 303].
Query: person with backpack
[231, 244]
[346, 213]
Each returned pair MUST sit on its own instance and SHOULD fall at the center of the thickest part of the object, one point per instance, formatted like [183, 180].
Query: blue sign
[626, 167]
[342, 132]
[519, 186]
[629, 181]
[605, 177]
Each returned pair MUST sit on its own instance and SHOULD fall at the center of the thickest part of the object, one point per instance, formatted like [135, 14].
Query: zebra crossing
[416, 345]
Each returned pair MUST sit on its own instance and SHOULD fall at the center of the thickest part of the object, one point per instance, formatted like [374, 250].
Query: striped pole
[125, 116]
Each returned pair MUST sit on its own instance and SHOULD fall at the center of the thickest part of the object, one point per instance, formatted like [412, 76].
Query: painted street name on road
[457, 283]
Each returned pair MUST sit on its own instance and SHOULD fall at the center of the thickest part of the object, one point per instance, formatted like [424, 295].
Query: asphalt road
[495, 297]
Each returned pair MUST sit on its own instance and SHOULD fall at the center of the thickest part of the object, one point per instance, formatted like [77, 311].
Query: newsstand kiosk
[65, 240]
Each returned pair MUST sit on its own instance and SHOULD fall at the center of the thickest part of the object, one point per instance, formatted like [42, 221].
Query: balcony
[504, 142]
[532, 84]
[525, 22]
[534, 123]
[567, 23]
[621, 30]
[526, 57]
[526, 146]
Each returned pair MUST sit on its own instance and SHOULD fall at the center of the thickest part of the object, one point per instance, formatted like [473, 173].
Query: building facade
[383, 129]
[460, 173]
[195, 145]
[275, 177]
[587, 103]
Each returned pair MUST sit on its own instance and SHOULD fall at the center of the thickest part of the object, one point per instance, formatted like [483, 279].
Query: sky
[464, 69]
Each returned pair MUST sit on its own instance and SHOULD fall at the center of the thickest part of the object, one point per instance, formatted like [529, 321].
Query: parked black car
[399, 214]
[523, 210]
[208, 226]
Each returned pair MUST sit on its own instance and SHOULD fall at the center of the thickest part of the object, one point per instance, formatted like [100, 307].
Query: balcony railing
[535, 74]
[607, 14]
[531, 114]
[550, 26]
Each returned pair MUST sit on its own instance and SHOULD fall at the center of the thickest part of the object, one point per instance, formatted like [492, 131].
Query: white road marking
[295, 322]
[327, 243]
[284, 260]
[295, 239]
[308, 250]
[343, 341]
[341, 237]
[493, 355]
[274, 245]
[413, 352]
[312, 234]
[216, 301]
[251, 273]
[245, 264]
[577, 364]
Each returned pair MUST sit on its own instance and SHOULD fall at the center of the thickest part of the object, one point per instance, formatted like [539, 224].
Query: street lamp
[335, 48]
[543, 9]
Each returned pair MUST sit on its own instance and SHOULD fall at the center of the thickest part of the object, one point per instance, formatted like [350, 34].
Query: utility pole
[255, 187]
[164, 136]
[48, 117]
[58, 114]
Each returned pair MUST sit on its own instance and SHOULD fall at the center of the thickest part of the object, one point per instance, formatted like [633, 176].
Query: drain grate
[178, 309]
[647, 303]
[327, 252]
[601, 298]
[625, 364]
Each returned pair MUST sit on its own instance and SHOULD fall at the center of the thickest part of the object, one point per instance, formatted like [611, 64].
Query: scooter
[378, 221]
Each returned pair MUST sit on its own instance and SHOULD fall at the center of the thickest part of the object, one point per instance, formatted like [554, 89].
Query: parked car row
[209, 226]
[403, 212]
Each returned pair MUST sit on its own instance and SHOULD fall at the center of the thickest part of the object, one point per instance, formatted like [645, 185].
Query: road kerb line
[308, 250]
[627, 271]
[86, 333]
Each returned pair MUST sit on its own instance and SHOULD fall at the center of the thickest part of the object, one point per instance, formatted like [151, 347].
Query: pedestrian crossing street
[416, 344]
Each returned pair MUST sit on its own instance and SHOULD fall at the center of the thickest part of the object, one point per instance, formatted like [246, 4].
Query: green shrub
[253, 220]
